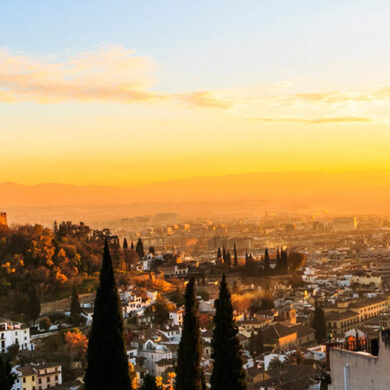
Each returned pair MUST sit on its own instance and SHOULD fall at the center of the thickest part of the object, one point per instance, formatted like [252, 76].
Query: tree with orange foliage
[77, 343]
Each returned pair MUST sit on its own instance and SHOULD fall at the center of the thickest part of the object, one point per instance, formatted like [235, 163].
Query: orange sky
[221, 91]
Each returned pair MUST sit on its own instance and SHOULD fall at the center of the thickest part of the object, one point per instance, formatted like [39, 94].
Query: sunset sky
[126, 92]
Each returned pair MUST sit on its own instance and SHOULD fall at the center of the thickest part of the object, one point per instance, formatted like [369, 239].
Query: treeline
[39, 264]
[286, 262]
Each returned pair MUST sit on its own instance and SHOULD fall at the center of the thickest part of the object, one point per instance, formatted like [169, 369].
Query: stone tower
[3, 219]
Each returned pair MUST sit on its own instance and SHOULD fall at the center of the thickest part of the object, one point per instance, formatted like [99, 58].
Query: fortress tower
[3, 219]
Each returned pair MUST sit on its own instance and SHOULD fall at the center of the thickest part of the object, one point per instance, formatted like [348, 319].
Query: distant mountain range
[350, 192]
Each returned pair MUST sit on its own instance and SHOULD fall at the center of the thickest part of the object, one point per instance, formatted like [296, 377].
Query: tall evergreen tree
[140, 249]
[7, 378]
[33, 308]
[279, 265]
[188, 360]
[267, 266]
[132, 245]
[108, 366]
[259, 343]
[125, 244]
[219, 255]
[228, 373]
[224, 254]
[75, 308]
[235, 256]
[284, 260]
[319, 322]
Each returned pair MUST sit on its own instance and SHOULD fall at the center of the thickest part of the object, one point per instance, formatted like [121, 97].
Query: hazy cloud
[348, 119]
[113, 74]
[203, 99]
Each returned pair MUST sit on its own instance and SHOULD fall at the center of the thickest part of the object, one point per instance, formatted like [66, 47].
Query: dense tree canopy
[37, 265]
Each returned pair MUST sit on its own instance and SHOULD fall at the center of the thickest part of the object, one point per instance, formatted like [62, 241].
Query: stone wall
[366, 372]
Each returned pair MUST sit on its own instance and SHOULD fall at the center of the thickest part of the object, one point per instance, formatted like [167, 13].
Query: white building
[133, 304]
[14, 333]
[153, 352]
[177, 317]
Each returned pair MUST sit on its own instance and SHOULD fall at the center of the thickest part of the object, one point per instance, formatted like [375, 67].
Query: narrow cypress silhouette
[228, 373]
[75, 308]
[235, 256]
[125, 244]
[319, 323]
[33, 308]
[267, 266]
[188, 361]
[140, 249]
[108, 366]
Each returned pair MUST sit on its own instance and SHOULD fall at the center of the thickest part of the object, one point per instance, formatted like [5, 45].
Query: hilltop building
[3, 219]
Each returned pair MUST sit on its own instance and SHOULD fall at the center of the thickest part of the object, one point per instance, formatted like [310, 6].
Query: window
[56, 378]
[24, 380]
[48, 379]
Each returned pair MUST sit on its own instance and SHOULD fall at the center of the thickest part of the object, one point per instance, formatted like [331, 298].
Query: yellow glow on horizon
[93, 118]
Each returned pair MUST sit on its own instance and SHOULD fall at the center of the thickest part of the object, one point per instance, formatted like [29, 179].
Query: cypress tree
[189, 353]
[278, 260]
[108, 366]
[259, 343]
[235, 255]
[228, 373]
[34, 305]
[267, 266]
[284, 260]
[140, 249]
[319, 322]
[219, 255]
[125, 244]
[252, 344]
[132, 245]
[7, 378]
[75, 308]
[224, 254]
